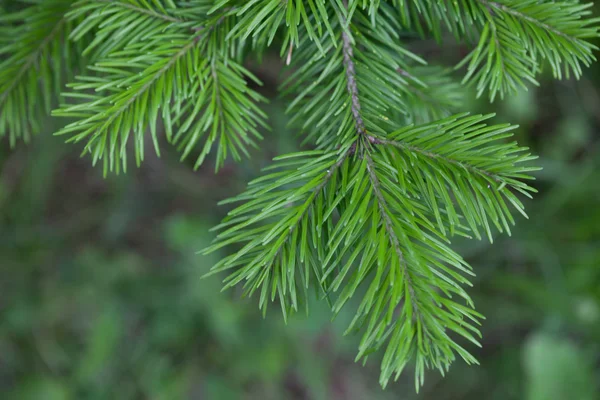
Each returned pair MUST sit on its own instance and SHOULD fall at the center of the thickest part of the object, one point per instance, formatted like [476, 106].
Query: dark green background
[101, 296]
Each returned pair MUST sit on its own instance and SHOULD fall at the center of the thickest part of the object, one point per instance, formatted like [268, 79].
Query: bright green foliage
[519, 35]
[369, 213]
[151, 64]
[285, 221]
[35, 57]
[377, 218]
[394, 87]
[460, 158]
[515, 37]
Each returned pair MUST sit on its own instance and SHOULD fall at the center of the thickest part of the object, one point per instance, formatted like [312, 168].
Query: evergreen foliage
[394, 173]
[36, 57]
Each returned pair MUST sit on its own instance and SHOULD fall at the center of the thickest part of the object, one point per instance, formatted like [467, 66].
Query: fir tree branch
[122, 23]
[280, 224]
[310, 202]
[412, 299]
[520, 15]
[164, 74]
[360, 128]
[34, 64]
[515, 37]
[262, 20]
[434, 156]
[409, 275]
[32, 59]
[394, 242]
[375, 205]
[525, 33]
[397, 199]
[462, 156]
[135, 95]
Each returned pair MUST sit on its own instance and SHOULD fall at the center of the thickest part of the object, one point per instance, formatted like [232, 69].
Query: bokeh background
[101, 295]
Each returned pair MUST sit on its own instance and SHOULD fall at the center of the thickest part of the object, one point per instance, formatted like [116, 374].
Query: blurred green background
[101, 296]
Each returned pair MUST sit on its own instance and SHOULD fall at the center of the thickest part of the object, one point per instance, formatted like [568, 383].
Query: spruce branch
[536, 20]
[262, 19]
[377, 57]
[464, 159]
[397, 194]
[189, 78]
[283, 224]
[393, 239]
[515, 37]
[32, 59]
[518, 36]
[425, 17]
[404, 264]
[396, 174]
[393, 256]
[34, 64]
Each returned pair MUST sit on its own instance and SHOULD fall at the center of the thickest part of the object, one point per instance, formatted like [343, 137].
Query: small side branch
[432, 155]
[524, 17]
[388, 225]
[33, 58]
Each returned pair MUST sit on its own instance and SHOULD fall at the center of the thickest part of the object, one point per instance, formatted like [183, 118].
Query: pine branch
[135, 77]
[281, 224]
[519, 35]
[373, 208]
[403, 266]
[515, 37]
[34, 65]
[461, 158]
[318, 84]
[396, 193]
